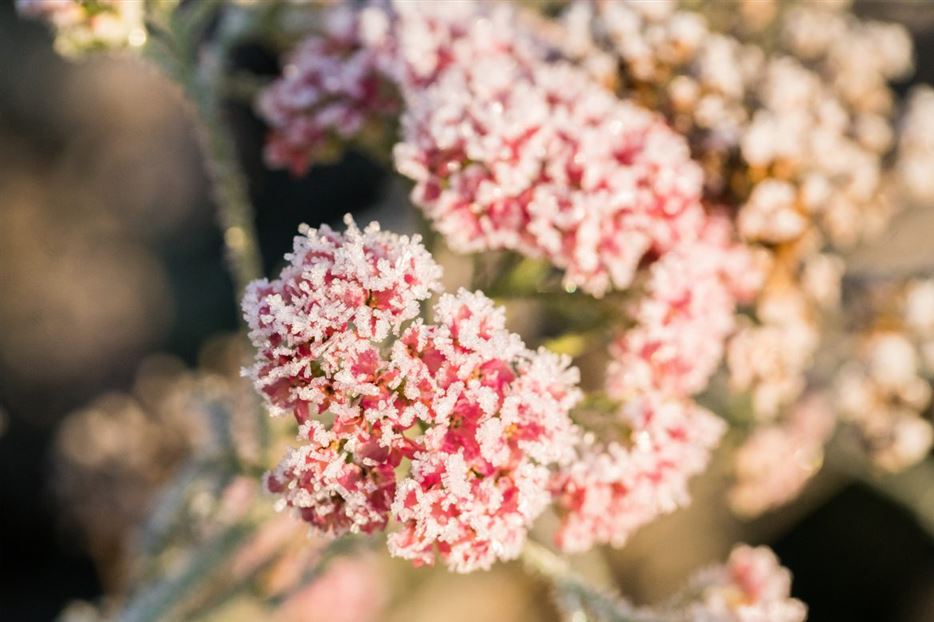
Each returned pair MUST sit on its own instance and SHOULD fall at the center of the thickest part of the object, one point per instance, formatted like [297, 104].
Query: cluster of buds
[450, 428]
[752, 585]
[507, 149]
[885, 392]
[793, 141]
[84, 25]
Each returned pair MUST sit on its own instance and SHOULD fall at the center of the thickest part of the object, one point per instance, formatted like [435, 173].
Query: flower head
[317, 326]
[751, 587]
[498, 420]
[514, 153]
[333, 89]
[614, 489]
[479, 419]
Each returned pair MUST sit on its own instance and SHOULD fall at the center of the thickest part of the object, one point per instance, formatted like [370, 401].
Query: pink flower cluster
[681, 322]
[684, 317]
[481, 418]
[333, 86]
[507, 150]
[352, 75]
[512, 150]
[613, 490]
[540, 160]
[751, 587]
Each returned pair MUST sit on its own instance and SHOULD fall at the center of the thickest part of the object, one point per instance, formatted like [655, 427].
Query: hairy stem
[228, 184]
[578, 599]
[200, 70]
[176, 46]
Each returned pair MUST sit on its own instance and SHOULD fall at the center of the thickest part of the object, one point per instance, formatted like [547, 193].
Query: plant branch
[574, 593]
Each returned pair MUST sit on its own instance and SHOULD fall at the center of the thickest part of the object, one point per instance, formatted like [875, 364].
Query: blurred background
[111, 280]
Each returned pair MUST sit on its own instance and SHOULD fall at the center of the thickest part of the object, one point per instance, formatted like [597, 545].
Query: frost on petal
[509, 151]
[499, 415]
[481, 419]
[683, 319]
[614, 489]
[317, 326]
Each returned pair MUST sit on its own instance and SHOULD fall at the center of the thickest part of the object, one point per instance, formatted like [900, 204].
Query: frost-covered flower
[481, 419]
[498, 419]
[318, 330]
[537, 158]
[684, 316]
[317, 326]
[82, 25]
[334, 87]
[614, 489]
[751, 587]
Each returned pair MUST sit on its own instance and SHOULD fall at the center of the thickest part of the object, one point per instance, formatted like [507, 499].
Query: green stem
[175, 46]
[162, 521]
[574, 591]
[228, 184]
[231, 195]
